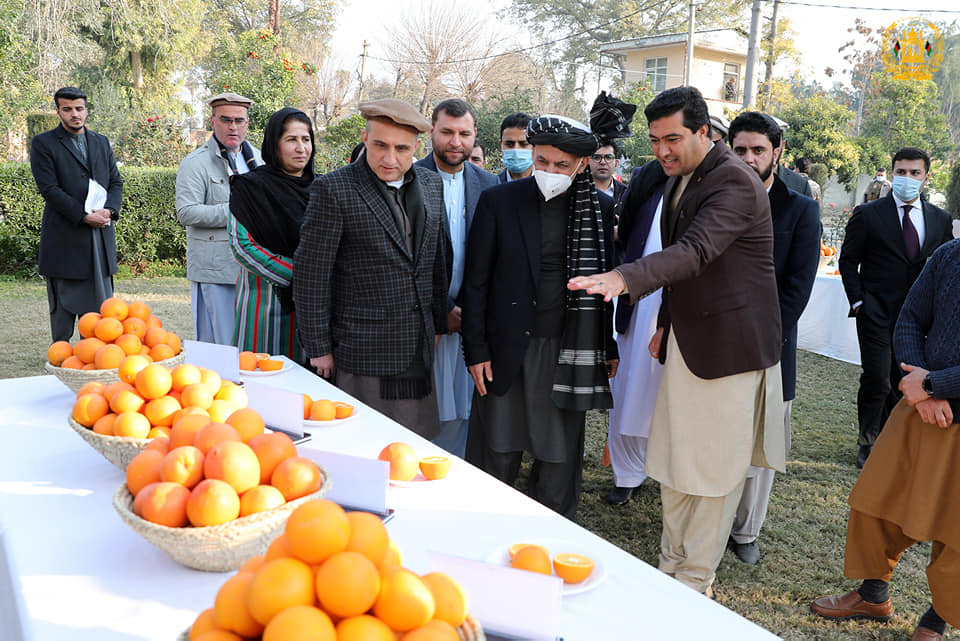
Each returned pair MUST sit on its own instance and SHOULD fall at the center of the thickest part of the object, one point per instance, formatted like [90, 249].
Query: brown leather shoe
[925, 634]
[851, 606]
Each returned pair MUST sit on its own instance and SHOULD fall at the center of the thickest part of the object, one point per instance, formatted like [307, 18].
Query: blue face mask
[906, 188]
[517, 161]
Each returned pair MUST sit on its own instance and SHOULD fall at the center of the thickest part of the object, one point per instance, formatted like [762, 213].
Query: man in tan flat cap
[203, 198]
[369, 276]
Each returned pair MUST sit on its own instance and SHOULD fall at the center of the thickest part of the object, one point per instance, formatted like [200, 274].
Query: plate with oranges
[261, 364]
[409, 470]
[326, 413]
[553, 557]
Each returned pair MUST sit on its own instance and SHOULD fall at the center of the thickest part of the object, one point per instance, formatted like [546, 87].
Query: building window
[731, 81]
[655, 73]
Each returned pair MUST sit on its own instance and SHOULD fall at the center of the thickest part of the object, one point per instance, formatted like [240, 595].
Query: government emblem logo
[912, 49]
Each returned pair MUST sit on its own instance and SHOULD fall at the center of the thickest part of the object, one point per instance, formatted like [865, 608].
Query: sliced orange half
[573, 568]
[435, 467]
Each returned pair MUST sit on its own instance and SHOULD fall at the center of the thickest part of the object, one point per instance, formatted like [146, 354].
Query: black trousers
[879, 382]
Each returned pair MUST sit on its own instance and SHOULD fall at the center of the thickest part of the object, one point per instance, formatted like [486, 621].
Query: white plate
[287, 366]
[332, 422]
[501, 556]
[418, 480]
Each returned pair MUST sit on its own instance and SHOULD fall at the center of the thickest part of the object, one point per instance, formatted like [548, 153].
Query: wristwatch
[927, 385]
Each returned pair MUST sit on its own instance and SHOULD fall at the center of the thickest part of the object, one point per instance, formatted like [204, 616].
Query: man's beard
[454, 158]
[765, 173]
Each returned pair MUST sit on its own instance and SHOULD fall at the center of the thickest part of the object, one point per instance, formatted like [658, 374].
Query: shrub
[953, 190]
[40, 122]
[820, 173]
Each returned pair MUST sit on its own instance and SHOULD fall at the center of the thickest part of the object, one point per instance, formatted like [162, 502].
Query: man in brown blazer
[718, 336]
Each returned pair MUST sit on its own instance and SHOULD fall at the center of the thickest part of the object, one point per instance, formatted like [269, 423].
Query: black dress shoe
[862, 455]
[749, 553]
[620, 495]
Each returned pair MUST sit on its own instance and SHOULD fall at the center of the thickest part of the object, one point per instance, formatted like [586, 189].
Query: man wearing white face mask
[540, 357]
[886, 244]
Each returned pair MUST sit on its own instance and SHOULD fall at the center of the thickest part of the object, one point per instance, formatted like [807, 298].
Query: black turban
[609, 118]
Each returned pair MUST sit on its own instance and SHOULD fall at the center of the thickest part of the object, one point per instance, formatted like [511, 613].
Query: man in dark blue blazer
[78, 251]
[755, 138]
[517, 151]
[452, 137]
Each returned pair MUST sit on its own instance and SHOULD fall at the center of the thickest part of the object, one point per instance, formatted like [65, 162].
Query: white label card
[280, 409]
[357, 482]
[223, 359]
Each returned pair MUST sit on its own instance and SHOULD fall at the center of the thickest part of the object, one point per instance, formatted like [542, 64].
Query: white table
[82, 574]
[824, 327]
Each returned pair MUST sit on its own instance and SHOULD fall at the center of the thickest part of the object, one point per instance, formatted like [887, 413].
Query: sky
[820, 30]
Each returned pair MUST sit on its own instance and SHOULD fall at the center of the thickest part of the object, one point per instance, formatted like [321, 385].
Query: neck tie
[910, 237]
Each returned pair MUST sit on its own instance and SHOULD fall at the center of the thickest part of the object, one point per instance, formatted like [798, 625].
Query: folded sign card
[223, 359]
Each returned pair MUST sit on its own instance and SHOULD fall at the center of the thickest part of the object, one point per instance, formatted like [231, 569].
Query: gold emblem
[912, 49]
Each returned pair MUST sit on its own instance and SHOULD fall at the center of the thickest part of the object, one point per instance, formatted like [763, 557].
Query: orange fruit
[162, 352]
[114, 307]
[213, 433]
[154, 336]
[220, 410]
[435, 467]
[230, 609]
[322, 410]
[108, 329]
[260, 499]
[183, 375]
[232, 462]
[130, 366]
[344, 410]
[87, 323]
[516, 547]
[104, 424]
[183, 465]
[153, 321]
[403, 461]
[435, 630]
[405, 602]
[86, 349]
[211, 379]
[196, 395]
[153, 381]
[184, 431]
[145, 351]
[160, 411]
[93, 387]
[533, 559]
[109, 357]
[159, 444]
[278, 585]
[247, 422]
[271, 448]
[143, 470]
[573, 568]
[233, 394]
[449, 597]
[296, 477]
[317, 530]
[348, 584]
[270, 365]
[132, 424]
[253, 564]
[117, 386]
[72, 362]
[368, 536]
[88, 408]
[203, 623]
[392, 558]
[158, 431]
[125, 401]
[88, 366]
[248, 362]
[173, 340]
[278, 549]
[138, 309]
[129, 343]
[218, 634]
[59, 352]
[212, 502]
[300, 623]
[307, 401]
[163, 503]
[135, 326]
[364, 628]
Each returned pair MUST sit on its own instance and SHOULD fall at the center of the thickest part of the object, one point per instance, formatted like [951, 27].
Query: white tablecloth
[824, 327]
[84, 575]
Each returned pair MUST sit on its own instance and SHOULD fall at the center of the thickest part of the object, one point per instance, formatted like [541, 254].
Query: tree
[905, 113]
[947, 78]
[863, 57]
[20, 90]
[820, 130]
[332, 90]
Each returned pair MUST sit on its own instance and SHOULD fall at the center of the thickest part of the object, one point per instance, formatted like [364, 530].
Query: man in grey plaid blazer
[370, 276]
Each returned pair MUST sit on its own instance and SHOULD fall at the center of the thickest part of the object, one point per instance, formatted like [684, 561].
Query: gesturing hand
[609, 284]
[481, 372]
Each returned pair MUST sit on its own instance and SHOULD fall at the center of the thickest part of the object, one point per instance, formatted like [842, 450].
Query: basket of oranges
[335, 575]
[108, 337]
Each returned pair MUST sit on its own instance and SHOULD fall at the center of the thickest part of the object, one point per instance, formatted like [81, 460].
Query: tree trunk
[768, 76]
[273, 20]
[136, 67]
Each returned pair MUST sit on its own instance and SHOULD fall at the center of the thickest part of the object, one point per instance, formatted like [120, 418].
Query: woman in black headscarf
[266, 207]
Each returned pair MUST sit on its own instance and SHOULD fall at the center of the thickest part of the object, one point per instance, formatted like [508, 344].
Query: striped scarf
[580, 380]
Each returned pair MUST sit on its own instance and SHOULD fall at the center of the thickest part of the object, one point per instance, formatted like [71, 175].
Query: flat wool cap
[397, 111]
[229, 98]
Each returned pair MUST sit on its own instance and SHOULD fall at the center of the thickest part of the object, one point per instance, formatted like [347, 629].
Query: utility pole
[363, 67]
[688, 76]
[751, 74]
[768, 76]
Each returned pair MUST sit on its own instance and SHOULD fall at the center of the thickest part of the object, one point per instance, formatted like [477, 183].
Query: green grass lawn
[802, 540]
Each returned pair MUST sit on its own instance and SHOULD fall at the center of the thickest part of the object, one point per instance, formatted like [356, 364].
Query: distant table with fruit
[71, 569]
[824, 327]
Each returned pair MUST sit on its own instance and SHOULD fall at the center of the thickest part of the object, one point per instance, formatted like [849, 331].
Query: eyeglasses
[599, 157]
[233, 121]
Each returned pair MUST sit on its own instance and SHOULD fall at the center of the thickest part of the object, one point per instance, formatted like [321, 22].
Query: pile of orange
[207, 472]
[117, 331]
[572, 568]
[324, 410]
[250, 361]
[148, 399]
[404, 463]
[333, 576]
[827, 250]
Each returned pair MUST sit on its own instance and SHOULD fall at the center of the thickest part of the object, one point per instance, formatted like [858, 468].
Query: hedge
[147, 232]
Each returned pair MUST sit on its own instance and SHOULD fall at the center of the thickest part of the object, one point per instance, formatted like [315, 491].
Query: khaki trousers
[695, 532]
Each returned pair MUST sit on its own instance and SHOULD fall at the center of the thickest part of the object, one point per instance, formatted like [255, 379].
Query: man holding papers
[73, 168]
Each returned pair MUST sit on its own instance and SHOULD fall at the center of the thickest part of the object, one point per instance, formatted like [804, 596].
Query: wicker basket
[218, 548]
[77, 378]
[119, 450]
[469, 631]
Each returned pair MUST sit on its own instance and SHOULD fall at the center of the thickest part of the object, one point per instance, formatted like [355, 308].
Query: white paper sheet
[96, 197]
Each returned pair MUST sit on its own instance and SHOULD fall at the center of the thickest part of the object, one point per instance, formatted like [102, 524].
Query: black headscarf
[268, 201]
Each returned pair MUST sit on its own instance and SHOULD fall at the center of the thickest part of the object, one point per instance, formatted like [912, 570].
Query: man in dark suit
[517, 150]
[755, 138]
[719, 406]
[370, 277]
[452, 137]
[78, 252]
[886, 244]
[603, 166]
[539, 358]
